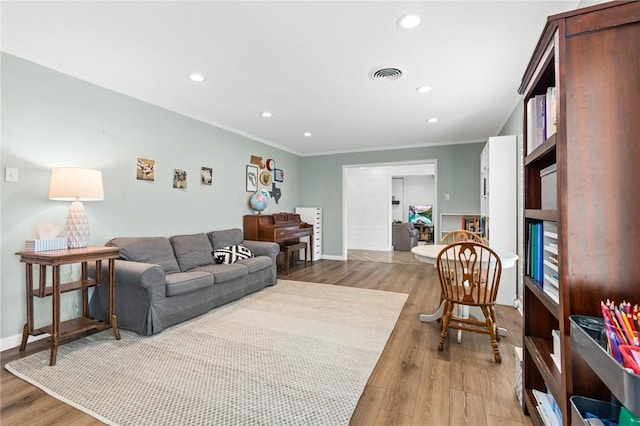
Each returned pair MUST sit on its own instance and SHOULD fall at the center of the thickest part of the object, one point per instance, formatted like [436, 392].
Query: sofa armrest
[138, 287]
[263, 248]
[130, 275]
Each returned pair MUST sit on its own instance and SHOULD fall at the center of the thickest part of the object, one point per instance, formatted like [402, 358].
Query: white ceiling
[306, 62]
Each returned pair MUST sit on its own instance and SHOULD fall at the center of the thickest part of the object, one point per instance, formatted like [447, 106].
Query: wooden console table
[70, 329]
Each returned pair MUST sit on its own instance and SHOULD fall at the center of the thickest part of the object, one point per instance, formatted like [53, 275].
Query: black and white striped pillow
[231, 254]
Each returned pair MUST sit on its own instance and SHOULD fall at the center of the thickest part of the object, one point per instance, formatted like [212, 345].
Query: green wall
[51, 120]
[458, 168]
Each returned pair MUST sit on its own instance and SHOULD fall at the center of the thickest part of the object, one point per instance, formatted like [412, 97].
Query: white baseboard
[331, 257]
[520, 306]
[15, 341]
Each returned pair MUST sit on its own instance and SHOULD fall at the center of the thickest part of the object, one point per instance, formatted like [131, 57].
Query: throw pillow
[231, 254]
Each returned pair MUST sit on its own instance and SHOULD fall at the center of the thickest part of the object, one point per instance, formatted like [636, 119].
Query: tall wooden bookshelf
[591, 57]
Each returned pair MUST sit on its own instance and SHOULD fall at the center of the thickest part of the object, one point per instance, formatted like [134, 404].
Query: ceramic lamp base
[77, 226]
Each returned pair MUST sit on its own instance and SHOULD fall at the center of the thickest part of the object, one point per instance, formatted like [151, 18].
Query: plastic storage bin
[582, 406]
[587, 334]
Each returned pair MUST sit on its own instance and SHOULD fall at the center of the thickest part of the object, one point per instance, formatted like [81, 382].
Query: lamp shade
[73, 183]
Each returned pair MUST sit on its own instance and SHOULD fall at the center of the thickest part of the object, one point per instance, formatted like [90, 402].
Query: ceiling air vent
[386, 73]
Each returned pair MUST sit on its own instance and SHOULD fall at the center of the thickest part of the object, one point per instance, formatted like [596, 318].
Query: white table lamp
[77, 185]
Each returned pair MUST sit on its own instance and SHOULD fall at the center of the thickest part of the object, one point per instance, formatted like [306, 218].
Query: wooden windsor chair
[469, 274]
[461, 235]
[457, 236]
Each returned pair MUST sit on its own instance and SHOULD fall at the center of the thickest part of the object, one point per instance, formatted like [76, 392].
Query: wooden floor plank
[432, 404]
[413, 383]
[392, 418]
[369, 406]
[467, 409]
[404, 384]
[390, 357]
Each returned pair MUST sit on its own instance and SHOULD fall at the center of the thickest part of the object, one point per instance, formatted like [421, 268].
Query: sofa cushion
[192, 250]
[184, 282]
[223, 273]
[232, 254]
[226, 238]
[156, 250]
[257, 263]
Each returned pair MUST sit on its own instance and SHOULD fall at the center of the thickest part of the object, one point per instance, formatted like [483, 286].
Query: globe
[259, 200]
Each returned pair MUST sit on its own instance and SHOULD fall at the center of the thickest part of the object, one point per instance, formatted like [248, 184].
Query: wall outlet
[10, 174]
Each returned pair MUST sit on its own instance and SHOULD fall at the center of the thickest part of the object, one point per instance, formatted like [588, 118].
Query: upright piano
[280, 228]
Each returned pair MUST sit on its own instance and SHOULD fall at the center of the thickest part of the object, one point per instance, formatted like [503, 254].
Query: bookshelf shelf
[540, 350]
[454, 221]
[543, 154]
[550, 305]
[541, 215]
[580, 168]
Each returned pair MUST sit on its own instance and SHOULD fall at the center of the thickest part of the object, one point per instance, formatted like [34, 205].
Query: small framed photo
[278, 175]
[146, 169]
[206, 176]
[252, 178]
[179, 179]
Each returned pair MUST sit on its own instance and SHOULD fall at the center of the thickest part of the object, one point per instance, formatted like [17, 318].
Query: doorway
[368, 207]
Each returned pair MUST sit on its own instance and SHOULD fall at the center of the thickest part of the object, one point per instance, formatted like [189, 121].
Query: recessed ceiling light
[408, 21]
[307, 134]
[198, 78]
[266, 114]
[433, 120]
[423, 89]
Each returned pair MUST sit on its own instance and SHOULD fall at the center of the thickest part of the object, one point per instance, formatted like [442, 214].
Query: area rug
[297, 353]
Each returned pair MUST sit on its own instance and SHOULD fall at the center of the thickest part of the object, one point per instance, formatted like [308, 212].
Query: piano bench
[288, 252]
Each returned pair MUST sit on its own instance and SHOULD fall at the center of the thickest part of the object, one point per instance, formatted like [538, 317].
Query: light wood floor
[405, 257]
[412, 384]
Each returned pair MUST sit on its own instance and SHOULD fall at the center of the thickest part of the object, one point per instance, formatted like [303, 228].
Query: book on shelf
[534, 251]
[545, 406]
[531, 127]
[471, 224]
[536, 122]
[556, 361]
[540, 264]
[551, 112]
[551, 289]
[550, 263]
[540, 254]
[555, 355]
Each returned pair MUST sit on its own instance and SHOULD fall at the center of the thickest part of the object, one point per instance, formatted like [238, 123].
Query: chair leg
[495, 322]
[492, 333]
[446, 319]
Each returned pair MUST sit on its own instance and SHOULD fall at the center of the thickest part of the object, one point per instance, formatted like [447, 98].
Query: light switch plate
[10, 174]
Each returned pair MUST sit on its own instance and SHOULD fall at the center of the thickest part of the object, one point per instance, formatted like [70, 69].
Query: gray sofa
[404, 236]
[162, 281]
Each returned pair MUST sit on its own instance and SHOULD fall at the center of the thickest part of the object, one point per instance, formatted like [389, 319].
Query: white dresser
[313, 216]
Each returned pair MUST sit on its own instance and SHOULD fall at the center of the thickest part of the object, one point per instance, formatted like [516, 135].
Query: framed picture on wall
[252, 178]
[278, 175]
[179, 179]
[146, 169]
[206, 176]
[265, 178]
